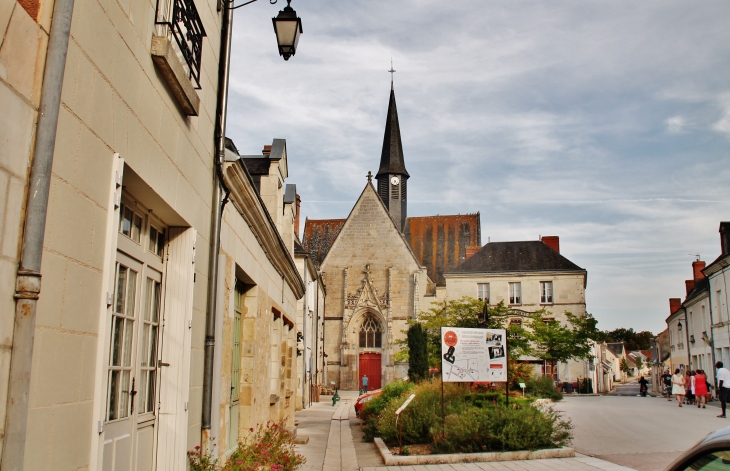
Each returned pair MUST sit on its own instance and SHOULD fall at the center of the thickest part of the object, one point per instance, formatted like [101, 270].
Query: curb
[396, 460]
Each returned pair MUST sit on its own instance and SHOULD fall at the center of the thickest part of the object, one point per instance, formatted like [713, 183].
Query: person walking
[667, 381]
[723, 387]
[365, 384]
[700, 388]
[689, 386]
[678, 386]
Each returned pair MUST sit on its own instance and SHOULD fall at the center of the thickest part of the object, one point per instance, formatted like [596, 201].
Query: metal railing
[181, 19]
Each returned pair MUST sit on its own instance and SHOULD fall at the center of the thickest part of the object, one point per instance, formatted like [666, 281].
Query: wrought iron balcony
[183, 23]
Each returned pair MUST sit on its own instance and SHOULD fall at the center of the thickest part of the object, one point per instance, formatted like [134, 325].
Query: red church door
[370, 365]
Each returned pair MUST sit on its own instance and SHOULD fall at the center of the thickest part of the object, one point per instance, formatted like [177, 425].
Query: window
[130, 223]
[394, 192]
[236, 344]
[483, 291]
[157, 241]
[546, 292]
[148, 365]
[515, 293]
[370, 333]
[120, 358]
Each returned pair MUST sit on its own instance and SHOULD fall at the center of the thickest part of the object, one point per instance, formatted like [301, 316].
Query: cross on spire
[392, 71]
[370, 176]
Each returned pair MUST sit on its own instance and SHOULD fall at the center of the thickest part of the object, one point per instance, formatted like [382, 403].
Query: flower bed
[269, 448]
[474, 421]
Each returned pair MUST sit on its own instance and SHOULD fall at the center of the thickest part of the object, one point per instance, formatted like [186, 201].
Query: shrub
[417, 420]
[369, 414]
[500, 428]
[200, 461]
[270, 448]
[417, 353]
[543, 386]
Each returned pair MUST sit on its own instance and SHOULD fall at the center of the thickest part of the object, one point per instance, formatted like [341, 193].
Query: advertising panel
[473, 355]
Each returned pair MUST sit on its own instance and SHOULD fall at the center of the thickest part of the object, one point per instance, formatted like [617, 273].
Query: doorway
[370, 365]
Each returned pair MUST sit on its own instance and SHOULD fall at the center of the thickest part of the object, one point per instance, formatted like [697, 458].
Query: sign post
[473, 355]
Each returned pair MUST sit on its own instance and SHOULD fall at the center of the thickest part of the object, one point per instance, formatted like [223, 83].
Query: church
[382, 268]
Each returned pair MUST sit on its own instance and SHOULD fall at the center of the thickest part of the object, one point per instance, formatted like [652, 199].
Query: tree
[418, 353]
[632, 340]
[639, 364]
[552, 340]
[624, 366]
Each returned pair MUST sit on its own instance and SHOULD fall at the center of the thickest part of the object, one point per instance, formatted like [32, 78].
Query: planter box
[397, 460]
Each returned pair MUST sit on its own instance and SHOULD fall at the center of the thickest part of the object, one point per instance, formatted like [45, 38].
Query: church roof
[319, 234]
[516, 257]
[391, 158]
[440, 242]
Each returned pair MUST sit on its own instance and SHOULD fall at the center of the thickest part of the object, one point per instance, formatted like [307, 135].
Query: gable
[370, 234]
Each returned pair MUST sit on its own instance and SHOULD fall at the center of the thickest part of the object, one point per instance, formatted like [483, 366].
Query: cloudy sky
[605, 123]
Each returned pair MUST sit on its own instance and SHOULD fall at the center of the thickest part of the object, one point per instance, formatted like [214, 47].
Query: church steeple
[392, 174]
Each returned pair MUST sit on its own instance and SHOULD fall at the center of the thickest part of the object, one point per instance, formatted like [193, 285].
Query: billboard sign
[473, 355]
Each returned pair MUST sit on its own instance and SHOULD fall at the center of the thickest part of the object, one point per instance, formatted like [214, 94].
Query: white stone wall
[719, 286]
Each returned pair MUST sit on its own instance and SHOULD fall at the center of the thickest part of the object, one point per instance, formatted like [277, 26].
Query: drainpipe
[712, 329]
[316, 338]
[218, 203]
[28, 281]
[686, 333]
[304, 333]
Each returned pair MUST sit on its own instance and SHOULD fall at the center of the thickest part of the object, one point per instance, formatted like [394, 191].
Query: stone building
[526, 276]
[381, 268]
[718, 281]
[116, 351]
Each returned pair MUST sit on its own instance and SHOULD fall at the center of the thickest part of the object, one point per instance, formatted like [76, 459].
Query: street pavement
[643, 433]
[612, 433]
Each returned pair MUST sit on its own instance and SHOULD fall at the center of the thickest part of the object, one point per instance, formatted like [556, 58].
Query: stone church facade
[382, 268]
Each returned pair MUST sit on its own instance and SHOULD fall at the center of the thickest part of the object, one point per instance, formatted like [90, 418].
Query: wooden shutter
[175, 350]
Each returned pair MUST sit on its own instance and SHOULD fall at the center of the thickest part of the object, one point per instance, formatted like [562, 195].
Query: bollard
[335, 398]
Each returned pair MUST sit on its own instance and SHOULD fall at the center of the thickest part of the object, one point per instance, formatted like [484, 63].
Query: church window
[403, 189]
[370, 333]
[383, 188]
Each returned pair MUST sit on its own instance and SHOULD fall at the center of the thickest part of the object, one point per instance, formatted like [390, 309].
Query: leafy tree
[418, 353]
[624, 366]
[639, 364]
[551, 340]
[632, 340]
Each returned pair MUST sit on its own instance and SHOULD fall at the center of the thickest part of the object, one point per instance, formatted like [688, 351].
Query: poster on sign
[473, 355]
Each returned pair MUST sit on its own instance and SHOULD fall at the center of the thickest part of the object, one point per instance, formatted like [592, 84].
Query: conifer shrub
[417, 353]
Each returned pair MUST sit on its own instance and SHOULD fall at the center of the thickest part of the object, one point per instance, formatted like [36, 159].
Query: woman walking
[689, 386]
[701, 388]
[678, 386]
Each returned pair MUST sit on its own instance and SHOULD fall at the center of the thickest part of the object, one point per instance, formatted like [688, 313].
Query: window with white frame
[483, 292]
[546, 292]
[515, 293]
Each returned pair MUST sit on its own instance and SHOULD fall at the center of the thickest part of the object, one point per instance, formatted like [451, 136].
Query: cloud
[566, 118]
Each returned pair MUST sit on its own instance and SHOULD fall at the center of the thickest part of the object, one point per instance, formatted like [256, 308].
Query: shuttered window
[236, 344]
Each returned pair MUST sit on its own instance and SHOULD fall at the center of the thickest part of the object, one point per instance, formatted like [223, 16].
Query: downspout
[316, 339]
[28, 281]
[712, 329]
[686, 334]
[218, 203]
[304, 333]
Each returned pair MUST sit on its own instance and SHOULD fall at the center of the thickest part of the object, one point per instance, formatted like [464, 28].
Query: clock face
[394, 180]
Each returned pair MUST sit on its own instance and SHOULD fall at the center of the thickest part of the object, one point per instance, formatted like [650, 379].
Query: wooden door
[370, 365]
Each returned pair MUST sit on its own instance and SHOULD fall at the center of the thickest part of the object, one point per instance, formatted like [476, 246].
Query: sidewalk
[335, 443]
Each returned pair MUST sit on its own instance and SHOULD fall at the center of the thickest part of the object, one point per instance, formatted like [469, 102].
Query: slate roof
[616, 348]
[516, 257]
[391, 157]
[701, 286]
[438, 242]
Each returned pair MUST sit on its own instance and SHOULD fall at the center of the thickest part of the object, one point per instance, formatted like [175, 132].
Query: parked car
[709, 454]
[364, 399]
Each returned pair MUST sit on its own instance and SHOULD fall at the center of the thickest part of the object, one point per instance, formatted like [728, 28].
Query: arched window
[370, 333]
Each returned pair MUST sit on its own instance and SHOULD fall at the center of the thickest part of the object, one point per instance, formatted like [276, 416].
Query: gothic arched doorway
[370, 343]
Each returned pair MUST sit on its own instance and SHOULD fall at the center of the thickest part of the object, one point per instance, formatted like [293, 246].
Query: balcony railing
[181, 19]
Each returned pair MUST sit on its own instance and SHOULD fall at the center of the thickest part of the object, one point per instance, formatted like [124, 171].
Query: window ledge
[174, 75]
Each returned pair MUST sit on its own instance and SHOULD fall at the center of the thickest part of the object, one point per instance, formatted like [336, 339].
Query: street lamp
[288, 28]
[679, 326]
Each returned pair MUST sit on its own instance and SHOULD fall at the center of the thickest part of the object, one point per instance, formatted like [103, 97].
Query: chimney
[674, 305]
[552, 241]
[266, 151]
[697, 267]
[471, 250]
[296, 218]
[690, 285]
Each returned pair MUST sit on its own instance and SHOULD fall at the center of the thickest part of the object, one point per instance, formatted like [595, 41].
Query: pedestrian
[667, 380]
[700, 388]
[678, 386]
[689, 386]
[365, 384]
[723, 383]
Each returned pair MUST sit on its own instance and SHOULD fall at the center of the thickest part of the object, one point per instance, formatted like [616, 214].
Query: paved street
[644, 433]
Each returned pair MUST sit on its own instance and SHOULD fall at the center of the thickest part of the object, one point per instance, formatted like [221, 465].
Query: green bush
[417, 419]
[544, 387]
[370, 412]
[500, 428]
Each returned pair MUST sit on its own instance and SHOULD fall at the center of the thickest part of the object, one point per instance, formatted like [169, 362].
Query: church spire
[392, 174]
[391, 158]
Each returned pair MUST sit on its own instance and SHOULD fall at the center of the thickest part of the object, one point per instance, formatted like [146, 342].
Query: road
[643, 433]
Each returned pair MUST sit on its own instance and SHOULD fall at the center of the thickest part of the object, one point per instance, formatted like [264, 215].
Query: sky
[604, 123]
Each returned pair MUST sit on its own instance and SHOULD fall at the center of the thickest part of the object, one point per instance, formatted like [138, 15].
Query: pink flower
[197, 447]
